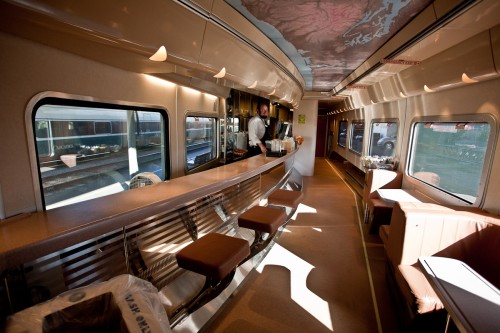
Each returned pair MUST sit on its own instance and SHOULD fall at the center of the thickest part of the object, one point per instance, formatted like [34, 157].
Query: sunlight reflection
[318, 229]
[171, 247]
[301, 208]
[299, 270]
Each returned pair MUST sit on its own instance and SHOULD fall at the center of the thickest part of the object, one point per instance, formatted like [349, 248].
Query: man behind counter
[257, 131]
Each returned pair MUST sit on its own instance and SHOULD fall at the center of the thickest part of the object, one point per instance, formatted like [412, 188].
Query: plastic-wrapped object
[122, 304]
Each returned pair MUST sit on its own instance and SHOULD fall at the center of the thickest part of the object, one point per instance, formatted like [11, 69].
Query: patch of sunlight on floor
[299, 270]
[304, 209]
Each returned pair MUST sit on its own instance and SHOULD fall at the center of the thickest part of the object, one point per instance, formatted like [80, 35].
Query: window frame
[58, 98]
[439, 193]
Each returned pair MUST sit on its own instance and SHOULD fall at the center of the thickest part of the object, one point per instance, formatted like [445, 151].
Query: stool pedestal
[215, 256]
[263, 220]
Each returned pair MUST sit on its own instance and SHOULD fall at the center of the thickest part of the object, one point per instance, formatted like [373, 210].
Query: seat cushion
[285, 198]
[214, 255]
[263, 219]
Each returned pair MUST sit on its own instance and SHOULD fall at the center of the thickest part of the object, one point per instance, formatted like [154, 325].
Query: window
[450, 156]
[342, 139]
[87, 150]
[357, 133]
[201, 140]
[383, 139]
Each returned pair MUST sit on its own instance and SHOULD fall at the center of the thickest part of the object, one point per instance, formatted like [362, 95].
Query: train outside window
[450, 156]
[86, 152]
[342, 139]
[201, 141]
[357, 134]
[383, 138]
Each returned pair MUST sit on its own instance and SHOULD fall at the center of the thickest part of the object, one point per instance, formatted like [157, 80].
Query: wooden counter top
[30, 236]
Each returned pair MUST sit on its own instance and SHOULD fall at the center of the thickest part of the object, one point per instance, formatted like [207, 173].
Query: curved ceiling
[328, 40]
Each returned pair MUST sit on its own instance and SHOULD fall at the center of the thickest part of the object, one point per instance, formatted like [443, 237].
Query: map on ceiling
[328, 40]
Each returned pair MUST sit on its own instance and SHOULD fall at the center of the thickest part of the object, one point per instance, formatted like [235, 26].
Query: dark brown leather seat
[213, 255]
[263, 219]
[285, 198]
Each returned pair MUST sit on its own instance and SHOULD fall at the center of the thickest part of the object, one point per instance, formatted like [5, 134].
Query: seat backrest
[378, 178]
[424, 229]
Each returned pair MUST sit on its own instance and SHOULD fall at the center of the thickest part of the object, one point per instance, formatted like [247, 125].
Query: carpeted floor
[325, 274]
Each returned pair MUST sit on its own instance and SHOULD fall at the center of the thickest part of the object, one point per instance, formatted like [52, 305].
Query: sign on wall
[302, 118]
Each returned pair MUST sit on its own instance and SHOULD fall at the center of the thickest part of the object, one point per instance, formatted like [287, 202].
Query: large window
[342, 138]
[89, 150]
[450, 156]
[201, 140]
[383, 138]
[357, 133]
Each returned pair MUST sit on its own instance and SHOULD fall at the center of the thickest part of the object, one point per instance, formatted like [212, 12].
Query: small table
[472, 302]
[395, 195]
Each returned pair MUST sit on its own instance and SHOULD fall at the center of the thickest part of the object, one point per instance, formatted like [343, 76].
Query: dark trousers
[253, 151]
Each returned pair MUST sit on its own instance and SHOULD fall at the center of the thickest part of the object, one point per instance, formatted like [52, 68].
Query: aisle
[315, 279]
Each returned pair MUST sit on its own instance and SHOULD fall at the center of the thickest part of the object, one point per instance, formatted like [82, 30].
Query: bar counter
[32, 235]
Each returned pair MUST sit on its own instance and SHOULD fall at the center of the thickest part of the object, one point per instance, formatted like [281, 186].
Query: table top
[472, 302]
[395, 195]
[30, 236]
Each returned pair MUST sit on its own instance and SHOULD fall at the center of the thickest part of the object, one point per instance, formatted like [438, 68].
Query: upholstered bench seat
[263, 219]
[285, 198]
[380, 214]
[213, 255]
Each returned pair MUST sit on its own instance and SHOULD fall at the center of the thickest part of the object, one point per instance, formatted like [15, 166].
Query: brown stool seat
[213, 255]
[285, 198]
[263, 219]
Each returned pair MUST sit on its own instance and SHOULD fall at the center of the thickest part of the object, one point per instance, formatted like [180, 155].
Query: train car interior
[131, 199]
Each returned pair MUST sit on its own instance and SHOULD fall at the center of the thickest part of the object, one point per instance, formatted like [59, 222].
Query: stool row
[216, 256]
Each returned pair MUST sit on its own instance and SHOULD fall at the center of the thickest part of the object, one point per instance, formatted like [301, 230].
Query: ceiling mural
[327, 40]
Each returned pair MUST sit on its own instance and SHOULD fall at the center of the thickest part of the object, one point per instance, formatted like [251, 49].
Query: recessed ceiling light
[160, 55]
[221, 74]
[253, 85]
[467, 79]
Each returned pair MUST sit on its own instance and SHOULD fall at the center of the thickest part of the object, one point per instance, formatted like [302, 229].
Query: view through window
[342, 138]
[201, 140]
[85, 152]
[383, 139]
[450, 156]
[357, 133]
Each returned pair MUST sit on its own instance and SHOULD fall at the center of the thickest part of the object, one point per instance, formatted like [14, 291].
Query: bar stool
[215, 256]
[262, 220]
[285, 198]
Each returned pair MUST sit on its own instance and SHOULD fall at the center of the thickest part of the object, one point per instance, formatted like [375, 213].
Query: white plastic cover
[122, 304]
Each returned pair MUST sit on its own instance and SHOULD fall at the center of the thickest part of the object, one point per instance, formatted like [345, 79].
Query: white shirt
[256, 130]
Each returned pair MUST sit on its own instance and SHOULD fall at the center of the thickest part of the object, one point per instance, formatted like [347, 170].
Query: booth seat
[425, 229]
[377, 211]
